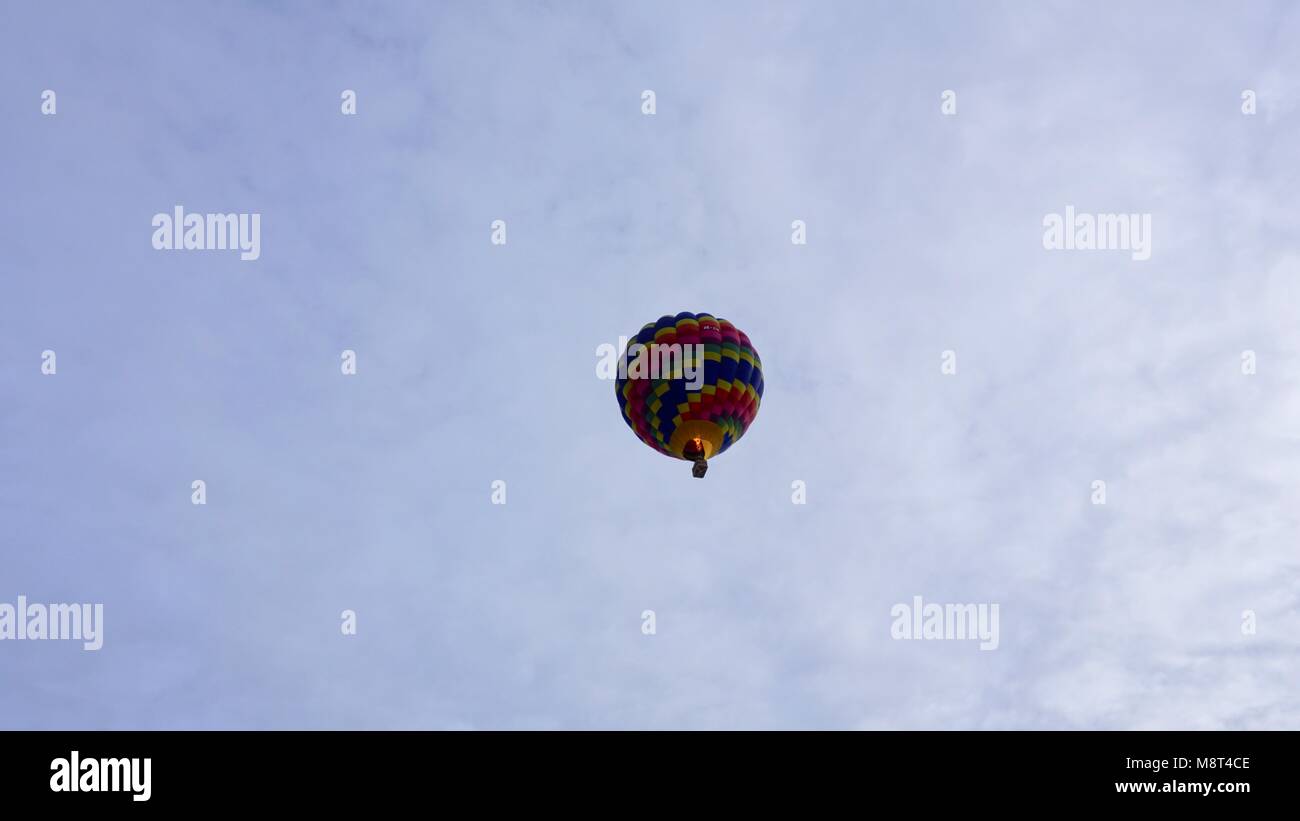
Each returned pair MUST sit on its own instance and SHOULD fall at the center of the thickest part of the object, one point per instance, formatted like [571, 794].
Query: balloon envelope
[689, 383]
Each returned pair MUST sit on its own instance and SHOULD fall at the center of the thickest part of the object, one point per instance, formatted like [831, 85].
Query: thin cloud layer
[476, 363]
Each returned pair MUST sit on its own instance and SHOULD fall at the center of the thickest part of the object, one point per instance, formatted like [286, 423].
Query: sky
[1174, 604]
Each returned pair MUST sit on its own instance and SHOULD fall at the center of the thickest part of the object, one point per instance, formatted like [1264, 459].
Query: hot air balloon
[689, 386]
